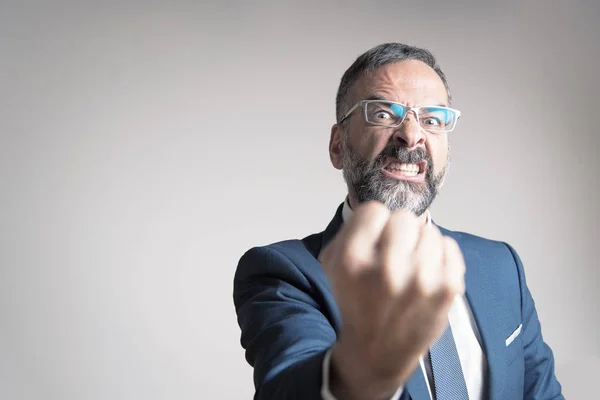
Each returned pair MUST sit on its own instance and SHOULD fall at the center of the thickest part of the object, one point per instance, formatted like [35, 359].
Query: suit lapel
[486, 308]
[332, 228]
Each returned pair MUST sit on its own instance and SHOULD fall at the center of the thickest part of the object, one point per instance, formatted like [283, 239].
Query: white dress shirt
[466, 336]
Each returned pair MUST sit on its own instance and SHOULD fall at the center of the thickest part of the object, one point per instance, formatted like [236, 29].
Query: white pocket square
[514, 335]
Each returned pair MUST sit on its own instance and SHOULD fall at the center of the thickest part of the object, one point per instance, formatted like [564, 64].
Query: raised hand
[394, 280]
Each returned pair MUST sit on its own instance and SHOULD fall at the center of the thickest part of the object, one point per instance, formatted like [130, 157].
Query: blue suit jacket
[289, 319]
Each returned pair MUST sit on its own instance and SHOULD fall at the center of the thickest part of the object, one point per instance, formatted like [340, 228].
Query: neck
[354, 204]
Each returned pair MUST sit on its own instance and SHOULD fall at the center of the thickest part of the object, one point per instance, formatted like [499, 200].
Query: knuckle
[428, 241]
[451, 244]
[432, 235]
[423, 286]
[388, 285]
[453, 286]
[446, 293]
[352, 259]
[405, 217]
[392, 280]
[428, 254]
[418, 257]
[373, 207]
[452, 249]
[435, 232]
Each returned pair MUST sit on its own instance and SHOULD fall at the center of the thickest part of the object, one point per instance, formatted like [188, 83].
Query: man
[384, 304]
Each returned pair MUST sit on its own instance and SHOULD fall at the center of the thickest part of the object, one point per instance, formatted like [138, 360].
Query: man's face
[403, 167]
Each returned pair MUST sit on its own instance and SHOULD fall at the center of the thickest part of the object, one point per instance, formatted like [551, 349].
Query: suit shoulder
[487, 246]
[285, 248]
[470, 237]
[297, 255]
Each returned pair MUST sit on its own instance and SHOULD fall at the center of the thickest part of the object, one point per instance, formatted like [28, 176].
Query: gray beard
[366, 181]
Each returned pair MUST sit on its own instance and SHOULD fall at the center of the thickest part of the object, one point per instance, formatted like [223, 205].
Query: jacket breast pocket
[514, 346]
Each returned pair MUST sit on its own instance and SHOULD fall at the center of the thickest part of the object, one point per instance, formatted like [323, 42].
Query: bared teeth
[414, 168]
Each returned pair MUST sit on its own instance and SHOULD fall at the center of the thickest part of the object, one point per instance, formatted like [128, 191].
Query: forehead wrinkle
[423, 100]
[407, 82]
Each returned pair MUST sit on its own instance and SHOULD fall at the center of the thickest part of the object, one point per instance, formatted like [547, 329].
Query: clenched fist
[394, 280]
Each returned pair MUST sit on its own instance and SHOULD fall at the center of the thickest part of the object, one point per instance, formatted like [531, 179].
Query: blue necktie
[448, 378]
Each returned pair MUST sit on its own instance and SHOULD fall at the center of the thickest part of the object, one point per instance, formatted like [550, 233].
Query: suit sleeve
[540, 380]
[283, 329]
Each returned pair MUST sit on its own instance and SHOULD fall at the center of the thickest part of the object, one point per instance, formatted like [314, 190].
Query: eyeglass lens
[432, 118]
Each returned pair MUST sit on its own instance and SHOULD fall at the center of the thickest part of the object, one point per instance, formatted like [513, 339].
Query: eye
[432, 121]
[383, 115]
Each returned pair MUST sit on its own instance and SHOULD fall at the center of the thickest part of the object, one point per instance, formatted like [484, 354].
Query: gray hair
[379, 56]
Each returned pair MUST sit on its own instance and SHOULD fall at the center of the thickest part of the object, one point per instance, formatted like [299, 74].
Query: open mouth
[405, 171]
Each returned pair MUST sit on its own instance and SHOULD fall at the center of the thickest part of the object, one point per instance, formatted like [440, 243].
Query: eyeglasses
[435, 119]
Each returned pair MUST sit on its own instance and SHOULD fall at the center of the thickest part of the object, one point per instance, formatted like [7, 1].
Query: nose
[409, 134]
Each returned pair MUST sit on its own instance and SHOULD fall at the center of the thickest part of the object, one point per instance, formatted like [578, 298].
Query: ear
[335, 146]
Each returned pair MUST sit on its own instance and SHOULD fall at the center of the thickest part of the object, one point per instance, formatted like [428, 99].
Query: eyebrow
[379, 97]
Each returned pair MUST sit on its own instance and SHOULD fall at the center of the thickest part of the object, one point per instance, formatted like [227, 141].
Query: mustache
[402, 154]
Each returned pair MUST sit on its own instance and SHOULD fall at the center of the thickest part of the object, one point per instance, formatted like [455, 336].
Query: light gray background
[145, 146]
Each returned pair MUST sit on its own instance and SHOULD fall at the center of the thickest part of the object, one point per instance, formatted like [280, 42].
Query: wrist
[352, 379]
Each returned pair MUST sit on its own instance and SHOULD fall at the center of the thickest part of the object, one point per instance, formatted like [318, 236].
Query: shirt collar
[347, 212]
